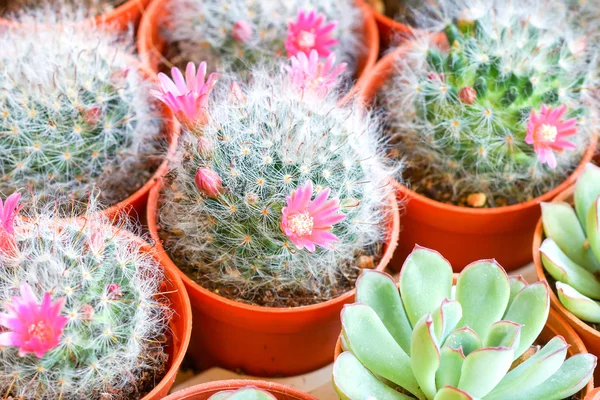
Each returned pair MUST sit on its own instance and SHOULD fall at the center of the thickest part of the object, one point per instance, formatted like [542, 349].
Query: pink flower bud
[467, 95]
[113, 291]
[242, 31]
[119, 77]
[236, 93]
[91, 116]
[87, 312]
[434, 76]
[208, 181]
[204, 146]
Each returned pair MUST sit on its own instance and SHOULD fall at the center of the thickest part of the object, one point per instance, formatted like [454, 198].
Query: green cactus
[475, 115]
[438, 341]
[247, 393]
[571, 251]
[113, 343]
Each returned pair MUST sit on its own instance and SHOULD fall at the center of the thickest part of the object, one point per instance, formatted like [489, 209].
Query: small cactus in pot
[433, 340]
[75, 115]
[499, 105]
[571, 251]
[81, 312]
[277, 188]
[240, 34]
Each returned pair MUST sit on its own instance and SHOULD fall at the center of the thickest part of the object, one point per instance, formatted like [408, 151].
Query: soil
[95, 7]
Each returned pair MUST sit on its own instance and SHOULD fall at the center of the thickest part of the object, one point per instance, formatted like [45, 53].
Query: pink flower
[242, 31]
[34, 328]
[309, 74]
[548, 132]
[308, 223]
[8, 212]
[209, 182]
[310, 31]
[186, 97]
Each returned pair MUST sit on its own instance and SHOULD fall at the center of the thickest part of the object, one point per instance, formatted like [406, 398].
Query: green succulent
[245, 393]
[434, 340]
[571, 251]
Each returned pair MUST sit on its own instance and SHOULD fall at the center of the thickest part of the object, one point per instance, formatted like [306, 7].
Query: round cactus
[280, 188]
[77, 8]
[99, 330]
[482, 107]
[238, 34]
[75, 114]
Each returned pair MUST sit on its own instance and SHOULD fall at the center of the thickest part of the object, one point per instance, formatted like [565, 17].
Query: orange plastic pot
[593, 395]
[151, 42]
[263, 341]
[119, 19]
[204, 391]
[390, 31]
[555, 325]
[589, 335]
[464, 234]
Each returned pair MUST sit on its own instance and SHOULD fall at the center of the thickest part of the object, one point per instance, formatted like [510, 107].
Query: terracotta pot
[205, 390]
[263, 341]
[464, 234]
[135, 204]
[555, 325]
[589, 335]
[151, 42]
[593, 395]
[118, 19]
[390, 31]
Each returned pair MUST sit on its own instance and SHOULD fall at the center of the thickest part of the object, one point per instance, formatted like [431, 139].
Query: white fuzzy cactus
[233, 211]
[112, 345]
[75, 114]
[206, 30]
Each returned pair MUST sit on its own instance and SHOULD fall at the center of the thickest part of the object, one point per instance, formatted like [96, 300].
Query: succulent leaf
[425, 355]
[516, 284]
[425, 281]
[483, 369]
[451, 393]
[248, 393]
[448, 373]
[504, 334]
[445, 318]
[379, 291]
[593, 228]
[465, 339]
[581, 306]
[587, 191]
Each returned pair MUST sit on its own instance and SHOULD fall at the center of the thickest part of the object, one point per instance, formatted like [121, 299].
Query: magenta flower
[186, 97]
[548, 132]
[209, 182]
[308, 223]
[310, 31]
[308, 74]
[242, 31]
[34, 328]
[8, 212]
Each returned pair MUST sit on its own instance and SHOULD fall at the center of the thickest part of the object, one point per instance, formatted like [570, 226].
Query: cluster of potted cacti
[270, 163]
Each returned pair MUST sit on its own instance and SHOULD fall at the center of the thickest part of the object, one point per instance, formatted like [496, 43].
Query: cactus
[246, 393]
[485, 114]
[75, 114]
[432, 340]
[209, 30]
[103, 336]
[83, 8]
[571, 251]
[280, 188]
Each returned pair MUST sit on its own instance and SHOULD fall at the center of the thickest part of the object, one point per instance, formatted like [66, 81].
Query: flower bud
[208, 181]
[467, 95]
[242, 31]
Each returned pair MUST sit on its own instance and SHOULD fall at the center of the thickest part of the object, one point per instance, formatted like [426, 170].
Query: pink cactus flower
[8, 212]
[114, 292]
[34, 328]
[310, 31]
[209, 182]
[186, 97]
[308, 223]
[308, 74]
[242, 31]
[547, 133]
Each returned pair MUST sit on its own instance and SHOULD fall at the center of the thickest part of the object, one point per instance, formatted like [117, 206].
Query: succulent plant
[75, 114]
[79, 8]
[281, 187]
[484, 114]
[89, 321]
[571, 251]
[432, 340]
[241, 33]
[246, 393]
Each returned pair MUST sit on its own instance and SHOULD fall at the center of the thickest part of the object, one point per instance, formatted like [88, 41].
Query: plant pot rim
[389, 22]
[232, 384]
[393, 232]
[541, 275]
[127, 8]
[381, 69]
[146, 46]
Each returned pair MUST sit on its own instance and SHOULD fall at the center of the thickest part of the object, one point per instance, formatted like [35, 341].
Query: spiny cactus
[238, 34]
[280, 188]
[511, 93]
[75, 114]
[571, 251]
[247, 393]
[99, 331]
[85, 8]
[435, 340]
